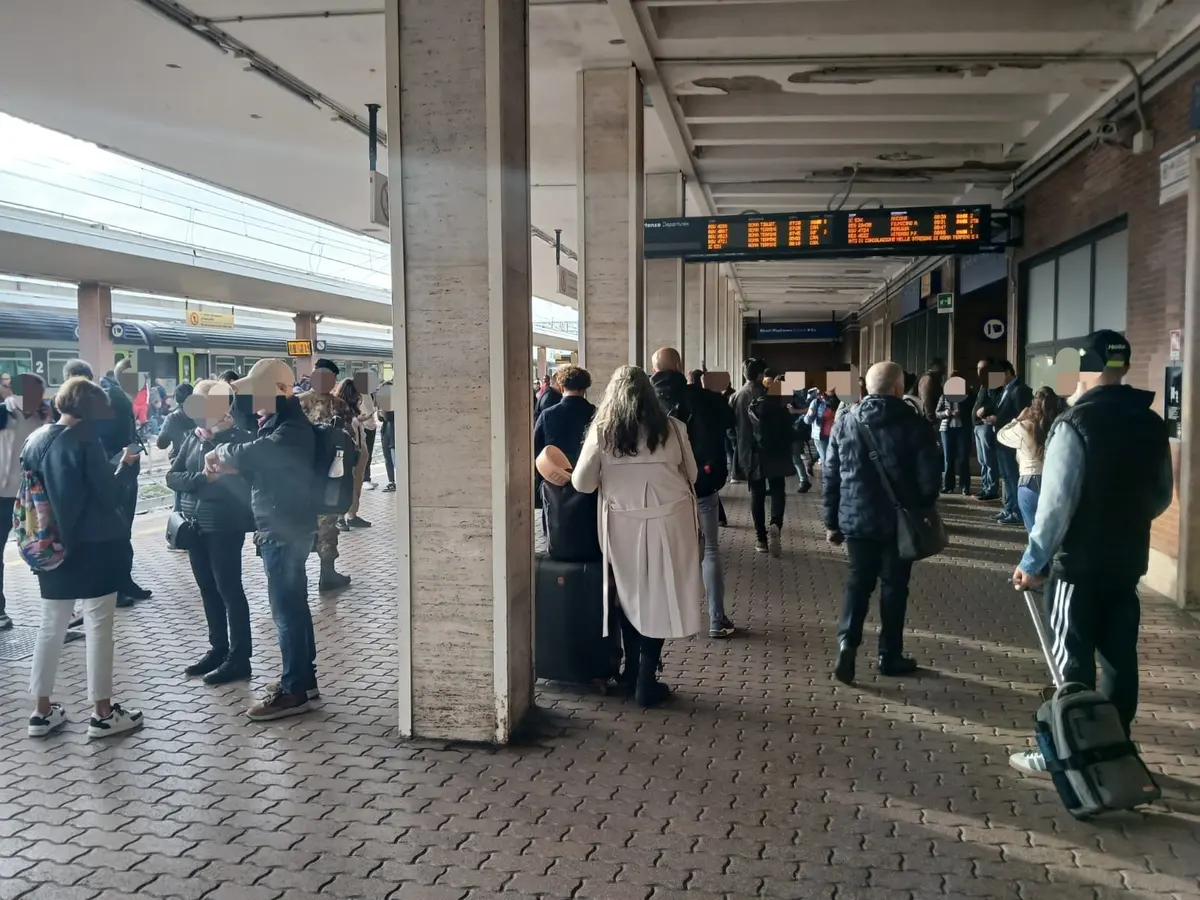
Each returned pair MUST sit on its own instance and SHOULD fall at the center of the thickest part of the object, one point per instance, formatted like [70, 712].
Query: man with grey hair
[858, 511]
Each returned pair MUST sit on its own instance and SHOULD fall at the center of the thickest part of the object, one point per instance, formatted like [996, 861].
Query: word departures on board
[924, 231]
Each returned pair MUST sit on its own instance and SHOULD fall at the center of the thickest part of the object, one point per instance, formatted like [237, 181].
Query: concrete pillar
[94, 303]
[306, 330]
[664, 277]
[611, 187]
[693, 314]
[458, 160]
[541, 363]
[1186, 451]
[712, 286]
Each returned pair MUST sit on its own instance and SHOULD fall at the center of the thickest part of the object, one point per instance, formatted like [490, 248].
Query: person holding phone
[84, 489]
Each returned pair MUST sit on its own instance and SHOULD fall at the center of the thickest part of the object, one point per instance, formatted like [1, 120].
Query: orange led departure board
[872, 232]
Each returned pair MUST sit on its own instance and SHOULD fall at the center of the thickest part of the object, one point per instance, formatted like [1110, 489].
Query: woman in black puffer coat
[220, 507]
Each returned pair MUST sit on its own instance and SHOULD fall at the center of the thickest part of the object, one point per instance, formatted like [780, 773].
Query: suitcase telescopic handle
[1035, 612]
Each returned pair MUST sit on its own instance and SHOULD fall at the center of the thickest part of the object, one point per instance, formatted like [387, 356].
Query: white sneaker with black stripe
[40, 726]
[116, 722]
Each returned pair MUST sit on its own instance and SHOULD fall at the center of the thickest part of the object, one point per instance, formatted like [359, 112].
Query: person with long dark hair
[641, 462]
[1027, 435]
[348, 391]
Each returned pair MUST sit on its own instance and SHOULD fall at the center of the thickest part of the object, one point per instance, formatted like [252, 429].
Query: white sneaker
[118, 721]
[40, 726]
[774, 541]
[1028, 762]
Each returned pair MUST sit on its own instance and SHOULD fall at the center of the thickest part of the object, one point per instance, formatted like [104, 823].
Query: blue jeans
[985, 449]
[287, 590]
[1010, 474]
[714, 575]
[956, 460]
[822, 448]
[1027, 499]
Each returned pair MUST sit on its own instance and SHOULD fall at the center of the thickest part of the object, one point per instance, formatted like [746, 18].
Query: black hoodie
[708, 418]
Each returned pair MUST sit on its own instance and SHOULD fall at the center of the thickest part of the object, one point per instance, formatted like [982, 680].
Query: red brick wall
[1102, 185]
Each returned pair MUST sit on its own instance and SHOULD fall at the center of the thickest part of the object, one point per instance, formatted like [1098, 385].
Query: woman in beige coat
[641, 462]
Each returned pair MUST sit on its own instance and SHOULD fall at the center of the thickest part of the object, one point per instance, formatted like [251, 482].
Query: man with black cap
[322, 407]
[1107, 476]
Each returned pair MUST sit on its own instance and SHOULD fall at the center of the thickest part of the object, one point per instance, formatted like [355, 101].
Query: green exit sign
[945, 303]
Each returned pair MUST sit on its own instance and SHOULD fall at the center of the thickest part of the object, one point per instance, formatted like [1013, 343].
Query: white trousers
[98, 615]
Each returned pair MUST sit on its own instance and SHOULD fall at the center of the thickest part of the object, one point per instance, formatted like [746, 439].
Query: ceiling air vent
[901, 156]
[568, 283]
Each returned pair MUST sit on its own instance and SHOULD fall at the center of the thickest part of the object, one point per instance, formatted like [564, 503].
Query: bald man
[707, 417]
[856, 510]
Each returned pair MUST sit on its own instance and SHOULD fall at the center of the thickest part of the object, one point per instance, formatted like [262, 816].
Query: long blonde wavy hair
[629, 412]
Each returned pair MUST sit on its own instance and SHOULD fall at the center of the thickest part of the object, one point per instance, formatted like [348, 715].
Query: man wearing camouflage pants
[322, 407]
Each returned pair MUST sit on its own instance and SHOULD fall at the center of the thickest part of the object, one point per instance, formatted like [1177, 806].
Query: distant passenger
[564, 424]
[1028, 434]
[20, 416]
[387, 435]
[278, 464]
[929, 389]
[370, 424]
[85, 491]
[220, 507]
[551, 394]
[322, 408]
[176, 428]
[640, 460]
[1011, 399]
[347, 391]
[229, 376]
[956, 437]
[764, 453]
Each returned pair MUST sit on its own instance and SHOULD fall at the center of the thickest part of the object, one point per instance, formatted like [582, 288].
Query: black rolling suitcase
[569, 629]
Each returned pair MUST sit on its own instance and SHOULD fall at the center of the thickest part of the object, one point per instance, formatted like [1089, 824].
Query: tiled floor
[763, 779]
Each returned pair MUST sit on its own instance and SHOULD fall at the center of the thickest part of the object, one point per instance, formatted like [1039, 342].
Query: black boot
[631, 643]
[331, 580]
[843, 670]
[210, 662]
[650, 691]
[897, 666]
[229, 671]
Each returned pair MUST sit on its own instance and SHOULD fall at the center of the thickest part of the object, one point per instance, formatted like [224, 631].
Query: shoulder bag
[920, 533]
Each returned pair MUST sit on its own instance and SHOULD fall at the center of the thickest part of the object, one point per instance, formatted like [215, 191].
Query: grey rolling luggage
[1095, 767]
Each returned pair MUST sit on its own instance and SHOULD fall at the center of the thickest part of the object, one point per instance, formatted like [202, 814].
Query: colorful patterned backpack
[34, 528]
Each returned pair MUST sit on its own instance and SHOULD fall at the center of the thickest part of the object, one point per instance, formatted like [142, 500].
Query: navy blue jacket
[563, 425]
[854, 500]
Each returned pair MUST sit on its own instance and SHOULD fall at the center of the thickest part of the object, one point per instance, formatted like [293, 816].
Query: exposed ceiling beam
[751, 107]
[849, 154]
[780, 190]
[643, 59]
[801, 133]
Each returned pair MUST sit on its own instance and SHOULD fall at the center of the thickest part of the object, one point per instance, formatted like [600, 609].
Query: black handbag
[183, 532]
[920, 533]
[572, 530]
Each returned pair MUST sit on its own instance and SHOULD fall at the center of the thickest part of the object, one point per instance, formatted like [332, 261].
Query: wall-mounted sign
[1173, 409]
[196, 318]
[1176, 346]
[993, 329]
[299, 348]
[945, 303]
[320, 345]
[798, 331]
[117, 330]
[1174, 168]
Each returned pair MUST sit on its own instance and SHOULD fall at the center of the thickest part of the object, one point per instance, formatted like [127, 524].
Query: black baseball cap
[329, 365]
[1104, 349]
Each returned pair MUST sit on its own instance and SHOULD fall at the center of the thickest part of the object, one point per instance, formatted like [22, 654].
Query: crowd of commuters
[657, 451]
[243, 457]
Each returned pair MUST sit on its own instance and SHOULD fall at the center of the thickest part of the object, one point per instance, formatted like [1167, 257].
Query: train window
[15, 362]
[55, 360]
[248, 363]
[224, 364]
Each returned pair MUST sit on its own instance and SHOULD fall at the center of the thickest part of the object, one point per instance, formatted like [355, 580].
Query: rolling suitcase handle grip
[1035, 613]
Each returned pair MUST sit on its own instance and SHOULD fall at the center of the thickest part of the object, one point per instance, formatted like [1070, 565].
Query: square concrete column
[306, 330]
[458, 162]
[693, 314]
[611, 185]
[712, 288]
[94, 304]
[664, 277]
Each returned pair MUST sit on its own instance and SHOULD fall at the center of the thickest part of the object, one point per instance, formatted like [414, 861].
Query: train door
[187, 368]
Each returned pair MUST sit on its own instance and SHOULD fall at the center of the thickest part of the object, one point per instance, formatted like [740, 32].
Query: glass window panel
[1075, 293]
[1041, 303]
[55, 360]
[1112, 281]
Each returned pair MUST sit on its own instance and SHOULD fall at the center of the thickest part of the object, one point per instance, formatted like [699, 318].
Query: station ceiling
[769, 106]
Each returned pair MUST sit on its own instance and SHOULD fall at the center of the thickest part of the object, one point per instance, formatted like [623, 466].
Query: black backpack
[333, 468]
[708, 446]
[771, 425]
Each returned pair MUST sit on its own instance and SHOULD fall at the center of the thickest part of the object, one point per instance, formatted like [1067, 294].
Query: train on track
[168, 353]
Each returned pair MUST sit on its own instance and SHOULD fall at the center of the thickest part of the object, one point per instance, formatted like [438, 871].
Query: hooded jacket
[708, 417]
[854, 500]
[15, 429]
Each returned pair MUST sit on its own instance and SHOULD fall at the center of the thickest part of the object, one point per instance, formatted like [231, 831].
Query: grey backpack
[1095, 767]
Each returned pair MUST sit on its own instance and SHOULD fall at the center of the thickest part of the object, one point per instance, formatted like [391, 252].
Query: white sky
[50, 172]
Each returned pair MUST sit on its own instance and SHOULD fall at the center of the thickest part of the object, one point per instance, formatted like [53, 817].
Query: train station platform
[762, 778]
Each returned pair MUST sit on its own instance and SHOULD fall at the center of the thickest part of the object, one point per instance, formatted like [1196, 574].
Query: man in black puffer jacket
[856, 509]
[707, 418]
